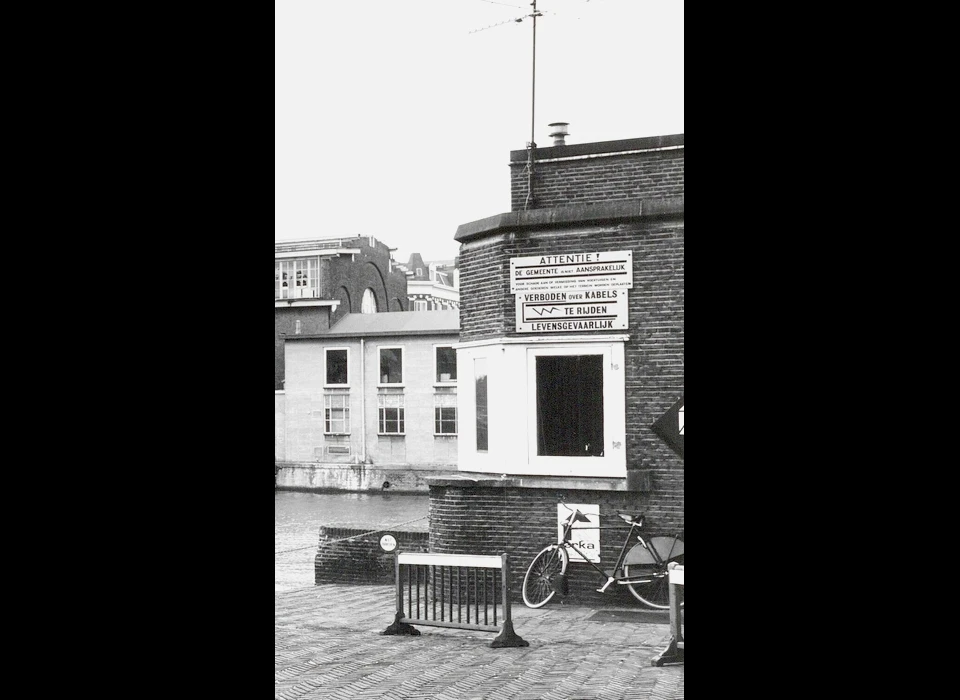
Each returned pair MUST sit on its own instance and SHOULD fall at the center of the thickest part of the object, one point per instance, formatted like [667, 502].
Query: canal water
[300, 515]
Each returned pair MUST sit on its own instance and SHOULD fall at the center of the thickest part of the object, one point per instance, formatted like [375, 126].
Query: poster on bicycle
[585, 536]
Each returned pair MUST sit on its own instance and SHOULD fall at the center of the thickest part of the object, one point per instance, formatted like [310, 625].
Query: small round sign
[388, 543]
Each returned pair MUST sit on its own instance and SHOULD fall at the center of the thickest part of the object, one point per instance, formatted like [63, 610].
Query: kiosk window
[480, 377]
[569, 405]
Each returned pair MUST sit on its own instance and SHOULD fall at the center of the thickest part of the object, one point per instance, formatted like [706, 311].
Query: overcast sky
[396, 118]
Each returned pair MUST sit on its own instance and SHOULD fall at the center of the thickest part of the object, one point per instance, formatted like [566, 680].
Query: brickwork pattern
[598, 179]
[360, 560]
[654, 366]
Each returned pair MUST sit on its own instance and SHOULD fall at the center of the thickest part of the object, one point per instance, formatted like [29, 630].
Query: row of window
[425, 305]
[300, 279]
[337, 363]
[390, 407]
[296, 279]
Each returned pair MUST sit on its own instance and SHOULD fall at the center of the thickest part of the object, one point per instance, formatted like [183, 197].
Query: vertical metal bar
[468, 593]
[433, 576]
[476, 600]
[485, 609]
[505, 586]
[409, 594]
[451, 594]
[396, 572]
[443, 592]
[418, 591]
[459, 599]
[495, 597]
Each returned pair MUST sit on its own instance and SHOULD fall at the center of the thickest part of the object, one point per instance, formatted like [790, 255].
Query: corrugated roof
[391, 323]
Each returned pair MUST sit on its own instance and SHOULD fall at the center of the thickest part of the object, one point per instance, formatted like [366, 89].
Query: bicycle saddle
[632, 519]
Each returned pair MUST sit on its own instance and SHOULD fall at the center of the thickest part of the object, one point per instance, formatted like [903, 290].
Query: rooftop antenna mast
[533, 93]
[533, 101]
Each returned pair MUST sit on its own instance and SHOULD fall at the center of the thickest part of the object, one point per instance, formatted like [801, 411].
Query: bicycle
[642, 569]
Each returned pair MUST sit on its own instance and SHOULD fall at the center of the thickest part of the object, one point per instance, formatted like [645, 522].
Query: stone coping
[636, 480]
[571, 215]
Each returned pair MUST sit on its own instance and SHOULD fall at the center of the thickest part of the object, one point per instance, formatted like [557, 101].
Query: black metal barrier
[441, 587]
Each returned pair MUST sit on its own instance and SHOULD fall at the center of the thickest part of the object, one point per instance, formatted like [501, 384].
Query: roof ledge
[571, 215]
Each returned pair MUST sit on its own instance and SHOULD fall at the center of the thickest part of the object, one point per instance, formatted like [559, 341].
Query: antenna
[533, 104]
[533, 90]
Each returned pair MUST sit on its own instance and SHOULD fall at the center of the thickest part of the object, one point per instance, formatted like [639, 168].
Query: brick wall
[598, 172]
[360, 559]
[347, 276]
[654, 369]
[521, 522]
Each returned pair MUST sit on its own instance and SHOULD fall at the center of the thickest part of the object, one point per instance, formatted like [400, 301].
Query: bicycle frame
[617, 575]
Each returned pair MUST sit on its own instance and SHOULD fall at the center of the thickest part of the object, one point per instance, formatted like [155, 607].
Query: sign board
[582, 310]
[585, 534]
[538, 273]
[669, 427]
[388, 543]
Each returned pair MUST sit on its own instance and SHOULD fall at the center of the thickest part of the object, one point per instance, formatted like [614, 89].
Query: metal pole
[533, 89]
[533, 103]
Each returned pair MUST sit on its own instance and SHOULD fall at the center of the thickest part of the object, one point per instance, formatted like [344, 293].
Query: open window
[445, 364]
[336, 361]
[391, 365]
[569, 405]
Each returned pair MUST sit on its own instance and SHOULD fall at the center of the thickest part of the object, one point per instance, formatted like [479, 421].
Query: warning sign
[669, 427]
[586, 310]
[572, 271]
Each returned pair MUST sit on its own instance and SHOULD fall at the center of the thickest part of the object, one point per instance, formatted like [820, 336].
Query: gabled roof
[391, 323]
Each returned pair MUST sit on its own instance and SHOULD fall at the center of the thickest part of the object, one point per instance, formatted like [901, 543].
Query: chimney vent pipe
[558, 132]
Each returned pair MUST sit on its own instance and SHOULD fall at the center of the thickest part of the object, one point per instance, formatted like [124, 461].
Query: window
[298, 278]
[391, 365]
[419, 305]
[368, 304]
[546, 408]
[391, 414]
[445, 414]
[336, 413]
[336, 362]
[446, 363]
[569, 408]
[480, 378]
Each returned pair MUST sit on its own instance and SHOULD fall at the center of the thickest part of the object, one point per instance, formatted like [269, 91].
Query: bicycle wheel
[538, 582]
[654, 590]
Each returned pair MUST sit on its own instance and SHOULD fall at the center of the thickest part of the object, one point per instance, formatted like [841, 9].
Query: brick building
[317, 282]
[571, 349]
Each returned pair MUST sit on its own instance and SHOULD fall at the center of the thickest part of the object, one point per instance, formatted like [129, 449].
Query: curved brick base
[484, 519]
[360, 558]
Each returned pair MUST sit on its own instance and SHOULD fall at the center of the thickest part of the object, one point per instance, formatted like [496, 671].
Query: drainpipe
[363, 405]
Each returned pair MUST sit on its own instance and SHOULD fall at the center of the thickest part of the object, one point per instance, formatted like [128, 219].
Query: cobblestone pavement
[329, 645]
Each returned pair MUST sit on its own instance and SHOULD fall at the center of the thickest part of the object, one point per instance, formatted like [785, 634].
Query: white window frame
[436, 369]
[328, 422]
[309, 269]
[403, 366]
[441, 401]
[326, 374]
[511, 406]
[613, 461]
[384, 402]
